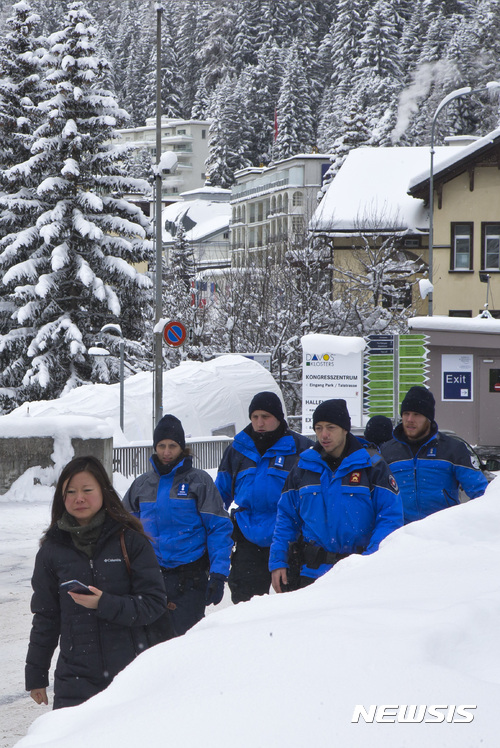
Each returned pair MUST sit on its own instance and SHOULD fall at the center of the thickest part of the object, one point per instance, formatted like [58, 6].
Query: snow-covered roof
[454, 157]
[208, 217]
[370, 191]
[485, 324]
[208, 192]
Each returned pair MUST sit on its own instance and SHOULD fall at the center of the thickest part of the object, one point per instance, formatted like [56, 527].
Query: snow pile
[206, 396]
[414, 624]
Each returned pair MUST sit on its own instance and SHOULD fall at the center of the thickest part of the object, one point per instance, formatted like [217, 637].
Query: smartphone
[75, 586]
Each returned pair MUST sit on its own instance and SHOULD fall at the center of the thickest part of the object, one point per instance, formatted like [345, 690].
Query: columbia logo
[112, 560]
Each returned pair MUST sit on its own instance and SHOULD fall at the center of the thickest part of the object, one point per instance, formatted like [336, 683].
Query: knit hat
[419, 400]
[169, 427]
[268, 401]
[378, 429]
[333, 411]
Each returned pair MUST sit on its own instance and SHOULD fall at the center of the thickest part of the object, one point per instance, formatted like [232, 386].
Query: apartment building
[272, 206]
[188, 139]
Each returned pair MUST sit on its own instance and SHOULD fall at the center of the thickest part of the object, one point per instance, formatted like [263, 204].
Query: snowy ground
[416, 623]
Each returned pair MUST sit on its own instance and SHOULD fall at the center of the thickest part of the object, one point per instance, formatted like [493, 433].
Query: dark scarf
[84, 537]
[268, 439]
[166, 469]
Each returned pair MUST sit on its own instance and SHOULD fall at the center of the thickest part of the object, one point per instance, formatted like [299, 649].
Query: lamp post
[490, 87]
[117, 330]
[158, 343]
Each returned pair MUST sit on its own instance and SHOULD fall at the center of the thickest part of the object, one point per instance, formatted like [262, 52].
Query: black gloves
[215, 589]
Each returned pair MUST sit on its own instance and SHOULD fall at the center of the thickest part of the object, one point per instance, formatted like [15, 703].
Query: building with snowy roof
[367, 203]
[204, 214]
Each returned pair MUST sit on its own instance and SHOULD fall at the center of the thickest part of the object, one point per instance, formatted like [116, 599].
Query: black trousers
[249, 573]
[186, 588]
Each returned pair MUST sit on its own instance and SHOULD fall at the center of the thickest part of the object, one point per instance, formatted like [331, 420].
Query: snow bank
[415, 623]
[206, 396]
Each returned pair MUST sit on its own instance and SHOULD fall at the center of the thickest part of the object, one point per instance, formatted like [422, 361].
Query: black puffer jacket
[94, 644]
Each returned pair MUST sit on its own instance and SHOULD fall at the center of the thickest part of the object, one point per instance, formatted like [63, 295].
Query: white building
[188, 139]
[272, 206]
[204, 214]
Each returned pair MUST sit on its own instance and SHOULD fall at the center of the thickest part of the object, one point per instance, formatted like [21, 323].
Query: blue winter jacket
[183, 513]
[254, 481]
[430, 480]
[347, 511]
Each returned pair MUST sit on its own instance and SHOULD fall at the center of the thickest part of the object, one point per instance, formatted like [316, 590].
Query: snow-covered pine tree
[296, 125]
[84, 236]
[21, 88]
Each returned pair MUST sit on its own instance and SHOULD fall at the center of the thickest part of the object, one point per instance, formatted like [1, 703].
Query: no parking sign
[174, 333]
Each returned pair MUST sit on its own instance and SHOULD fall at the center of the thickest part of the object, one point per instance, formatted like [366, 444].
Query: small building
[204, 214]
[272, 205]
[464, 374]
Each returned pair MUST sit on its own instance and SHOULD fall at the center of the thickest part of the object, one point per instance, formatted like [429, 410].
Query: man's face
[263, 421]
[415, 425]
[331, 437]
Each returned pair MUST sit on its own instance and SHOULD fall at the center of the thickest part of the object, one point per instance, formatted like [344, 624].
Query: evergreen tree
[83, 237]
[296, 131]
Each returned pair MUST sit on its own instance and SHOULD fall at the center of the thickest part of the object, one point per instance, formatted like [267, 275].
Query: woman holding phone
[93, 539]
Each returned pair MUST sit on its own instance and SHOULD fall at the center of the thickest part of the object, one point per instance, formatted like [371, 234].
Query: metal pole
[122, 382]
[158, 344]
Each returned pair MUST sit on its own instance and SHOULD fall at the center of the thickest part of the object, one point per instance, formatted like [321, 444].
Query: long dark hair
[111, 500]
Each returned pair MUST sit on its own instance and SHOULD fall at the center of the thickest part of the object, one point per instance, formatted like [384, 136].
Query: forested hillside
[332, 71]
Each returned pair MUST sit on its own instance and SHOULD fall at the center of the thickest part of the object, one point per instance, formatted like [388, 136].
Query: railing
[207, 454]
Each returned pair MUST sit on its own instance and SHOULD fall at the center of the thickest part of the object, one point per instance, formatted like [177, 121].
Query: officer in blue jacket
[429, 466]
[337, 500]
[252, 473]
[182, 511]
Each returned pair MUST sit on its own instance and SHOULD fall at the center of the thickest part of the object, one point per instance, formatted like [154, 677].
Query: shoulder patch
[393, 484]
[355, 477]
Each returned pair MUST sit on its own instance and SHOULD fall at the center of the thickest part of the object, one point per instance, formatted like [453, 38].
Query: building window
[203, 134]
[297, 224]
[460, 313]
[399, 297]
[461, 246]
[181, 132]
[491, 246]
[297, 199]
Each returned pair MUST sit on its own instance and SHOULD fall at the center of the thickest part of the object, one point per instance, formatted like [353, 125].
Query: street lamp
[490, 87]
[117, 330]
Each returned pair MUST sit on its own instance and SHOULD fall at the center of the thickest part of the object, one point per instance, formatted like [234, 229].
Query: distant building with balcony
[272, 206]
[188, 139]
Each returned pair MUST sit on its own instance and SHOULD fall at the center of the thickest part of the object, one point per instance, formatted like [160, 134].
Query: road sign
[174, 333]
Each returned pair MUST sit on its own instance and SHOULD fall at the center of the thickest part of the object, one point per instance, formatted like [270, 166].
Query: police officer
[428, 465]
[182, 512]
[252, 473]
[338, 499]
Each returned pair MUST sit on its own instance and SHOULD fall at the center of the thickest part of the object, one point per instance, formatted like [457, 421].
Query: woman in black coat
[91, 538]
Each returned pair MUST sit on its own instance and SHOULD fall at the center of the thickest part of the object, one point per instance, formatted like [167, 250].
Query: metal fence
[207, 454]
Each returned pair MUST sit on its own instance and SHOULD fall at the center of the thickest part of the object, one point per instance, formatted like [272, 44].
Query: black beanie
[169, 427]
[268, 401]
[419, 400]
[333, 411]
[378, 429]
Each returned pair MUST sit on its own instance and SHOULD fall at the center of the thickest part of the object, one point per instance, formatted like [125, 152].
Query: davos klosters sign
[332, 367]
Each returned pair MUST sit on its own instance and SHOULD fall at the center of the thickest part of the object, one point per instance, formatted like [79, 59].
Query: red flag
[275, 124]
